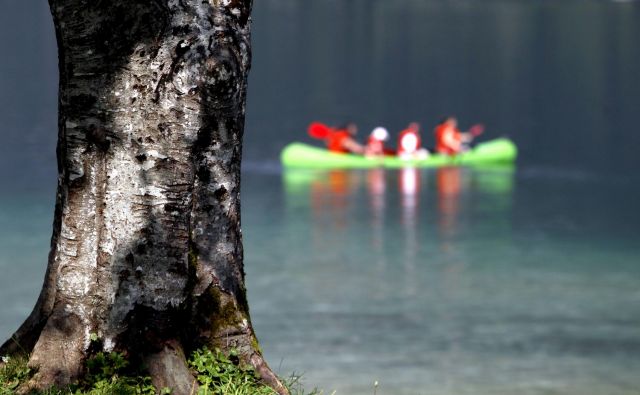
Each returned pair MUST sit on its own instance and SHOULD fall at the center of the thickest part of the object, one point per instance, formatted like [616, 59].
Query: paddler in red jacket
[450, 140]
[375, 143]
[409, 143]
[341, 140]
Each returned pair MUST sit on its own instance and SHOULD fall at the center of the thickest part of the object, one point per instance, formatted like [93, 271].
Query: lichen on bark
[146, 249]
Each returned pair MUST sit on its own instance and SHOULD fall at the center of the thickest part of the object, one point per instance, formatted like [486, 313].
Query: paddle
[319, 130]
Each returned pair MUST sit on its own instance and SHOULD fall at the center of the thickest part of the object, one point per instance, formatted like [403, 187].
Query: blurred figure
[450, 140]
[409, 142]
[340, 139]
[375, 144]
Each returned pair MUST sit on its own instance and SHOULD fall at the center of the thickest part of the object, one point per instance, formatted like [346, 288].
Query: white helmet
[380, 134]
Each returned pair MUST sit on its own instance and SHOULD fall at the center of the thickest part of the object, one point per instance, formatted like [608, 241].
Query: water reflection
[409, 188]
[376, 188]
[403, 223]
[415, 202]
[330, 197]
[449, 183]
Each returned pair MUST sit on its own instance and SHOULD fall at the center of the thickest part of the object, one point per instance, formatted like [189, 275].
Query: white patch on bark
[108, 344]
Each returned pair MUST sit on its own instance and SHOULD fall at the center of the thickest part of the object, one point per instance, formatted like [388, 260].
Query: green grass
[295, 386]
[107, 374]
[12, 374]
[110, 374]
[219, 374]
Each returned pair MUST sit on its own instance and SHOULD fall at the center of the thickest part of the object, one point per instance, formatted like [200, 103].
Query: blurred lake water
[516, 280]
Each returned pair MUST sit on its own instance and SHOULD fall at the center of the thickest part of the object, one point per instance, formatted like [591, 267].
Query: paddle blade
[319, 130]
[476, 130]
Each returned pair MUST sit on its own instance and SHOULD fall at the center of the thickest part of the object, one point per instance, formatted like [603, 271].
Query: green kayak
[300, 155]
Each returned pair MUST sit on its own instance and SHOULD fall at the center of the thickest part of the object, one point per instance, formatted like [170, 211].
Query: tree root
[168, 369]
[58, 356]
[267, 375]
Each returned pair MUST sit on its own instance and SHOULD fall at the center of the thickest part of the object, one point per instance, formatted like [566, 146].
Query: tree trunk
[146, 250]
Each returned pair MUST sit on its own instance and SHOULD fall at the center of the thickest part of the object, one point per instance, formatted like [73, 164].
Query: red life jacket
[444, 132]
[335, 140]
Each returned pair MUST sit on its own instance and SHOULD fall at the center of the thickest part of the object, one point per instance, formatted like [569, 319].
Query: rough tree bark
[146, 250]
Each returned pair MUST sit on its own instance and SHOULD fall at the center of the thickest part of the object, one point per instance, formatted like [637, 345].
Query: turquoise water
[468, 284]
[450, 281]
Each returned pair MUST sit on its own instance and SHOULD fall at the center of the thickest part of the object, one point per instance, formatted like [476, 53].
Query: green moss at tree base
[255, 344]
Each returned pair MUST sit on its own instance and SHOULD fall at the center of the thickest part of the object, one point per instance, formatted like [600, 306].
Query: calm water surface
[521, 280]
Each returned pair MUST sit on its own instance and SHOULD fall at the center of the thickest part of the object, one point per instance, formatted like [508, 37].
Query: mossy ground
[110, 374]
